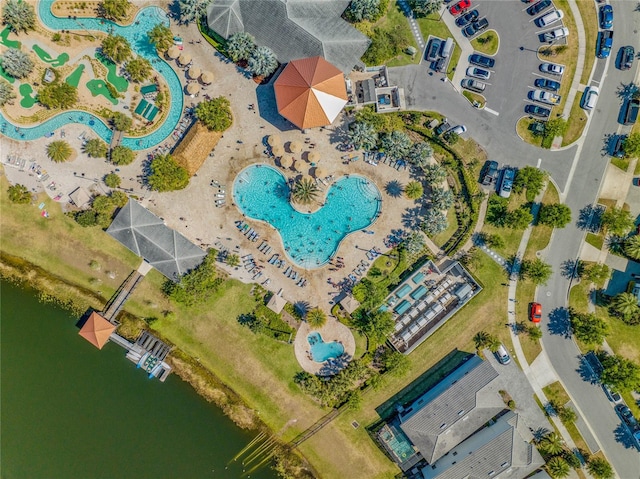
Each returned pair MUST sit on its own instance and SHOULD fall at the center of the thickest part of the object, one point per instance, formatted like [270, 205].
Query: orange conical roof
[97, 330]
[310, 92]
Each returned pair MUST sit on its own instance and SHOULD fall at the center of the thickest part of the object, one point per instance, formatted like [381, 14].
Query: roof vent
[491, 473]
[504, 464]
[443, 425]
[461, 412]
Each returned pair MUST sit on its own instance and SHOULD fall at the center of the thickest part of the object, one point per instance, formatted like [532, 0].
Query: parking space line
[539, 162]
[489, 110]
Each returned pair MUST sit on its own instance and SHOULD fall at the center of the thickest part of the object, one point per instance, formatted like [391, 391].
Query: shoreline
[204, 382]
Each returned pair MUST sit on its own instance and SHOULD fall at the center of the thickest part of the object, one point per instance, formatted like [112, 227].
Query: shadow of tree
[589, 218]
[268, 108]
[302, 307]
[623, 436]
[412, 218]
[393, 188]
[608, 142]
[539, 434]
[513, 266]
[339, 134]
[587, 373]
[626, 90]
[559, 322]
[572, 269]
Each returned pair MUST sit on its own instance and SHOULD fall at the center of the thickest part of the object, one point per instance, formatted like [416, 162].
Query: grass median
[590, 22]
[487, 43]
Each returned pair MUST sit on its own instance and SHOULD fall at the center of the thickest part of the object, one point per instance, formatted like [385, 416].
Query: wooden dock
[116, 303]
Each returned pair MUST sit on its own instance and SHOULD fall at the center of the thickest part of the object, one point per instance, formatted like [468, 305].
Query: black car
[627, 54]
[536, 110]
[433, 52]
[547, 84]
[475, 27]
[538, 7]
[481, 60]
[490, 173]
[467, 18]
[617, 150]
[626, 415]
[442, 127]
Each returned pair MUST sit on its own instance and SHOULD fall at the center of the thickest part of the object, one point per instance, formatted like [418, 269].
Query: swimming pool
[136, 33]
[310, 239]
[321, 351]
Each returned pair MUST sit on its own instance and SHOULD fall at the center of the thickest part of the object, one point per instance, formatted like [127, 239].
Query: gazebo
[97, 330]
[276, 303]
[194, 73]
[310, 92]
[206, 77]
[173, 52]
[184, 59]
[350, 304]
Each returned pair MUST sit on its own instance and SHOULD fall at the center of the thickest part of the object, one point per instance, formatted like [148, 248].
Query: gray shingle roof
[496, 451]
[453, 409]
[146, 235]
[293, 28]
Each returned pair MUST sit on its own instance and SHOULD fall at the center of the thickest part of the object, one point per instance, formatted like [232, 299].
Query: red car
[535, 312]
[459, 7]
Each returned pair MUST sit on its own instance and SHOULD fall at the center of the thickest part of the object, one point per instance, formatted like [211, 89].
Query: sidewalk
[415, 29]
[463, 43]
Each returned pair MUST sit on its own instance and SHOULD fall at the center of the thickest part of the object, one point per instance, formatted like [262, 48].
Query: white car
[590, 97]
[556, 34]
[552, 68]
[480, 73]
[549, 18]
[458, 130]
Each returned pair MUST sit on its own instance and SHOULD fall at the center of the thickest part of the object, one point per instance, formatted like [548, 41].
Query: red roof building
[97, 330]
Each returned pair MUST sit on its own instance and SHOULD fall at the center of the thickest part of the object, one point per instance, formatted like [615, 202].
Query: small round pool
[321, 351]
[352, 203]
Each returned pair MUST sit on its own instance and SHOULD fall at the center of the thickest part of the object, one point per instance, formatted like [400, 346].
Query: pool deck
[332, 331]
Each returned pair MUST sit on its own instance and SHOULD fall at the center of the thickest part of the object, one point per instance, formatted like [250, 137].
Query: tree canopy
[316, 318]
[422, 8]
[59, 151]
[16, 63]
[19, 15]
[616, 221]
[19, 194]
[414, 190]
[369, 10]
[625, 306]
[377, 325]
[240, 46]
[6, 92]
[262, 62]
[197, 285]
[215, 114]
[138, 69]
[530, 178]
[122, 155]
[96, 148]
[120, 121]
[555, 215]
[167, 175]
[58, 95]
[619, 373]
[116, 48]
[161, 36]
[631, 145]
[114, 9]
[588, 328]
[112, 180]
[362, 135]
[192, 10]
[536, 271]
[395, 144]
[305, 191]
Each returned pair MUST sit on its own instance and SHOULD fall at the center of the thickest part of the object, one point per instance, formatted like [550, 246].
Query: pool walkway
[332, 331]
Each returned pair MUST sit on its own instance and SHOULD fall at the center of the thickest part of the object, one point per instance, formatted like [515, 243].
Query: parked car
[478, 73]
[606, 17]
[536, 110]
[507, 182]
[490, 173]
[434, 49]
[617, 149]
[627, 416]
[481, 60]
[535, 312]
[475, 27]
[604, 43]
[545, 97]
[459, 7]
[549, 18]
[626, 55]
[547, 84]
[442, 127]
[458, 130]
[612, 395]
[556, 34]
[552, 68]
[467, 18]
[590, 97]
[473, 85]
[538, 7]
[502, 355]
[630, 112]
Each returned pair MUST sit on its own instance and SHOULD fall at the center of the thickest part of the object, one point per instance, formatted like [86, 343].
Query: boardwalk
[117, 301]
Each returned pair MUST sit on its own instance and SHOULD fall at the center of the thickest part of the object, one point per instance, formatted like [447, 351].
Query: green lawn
[596, 240]
[523, 128]
[99, 87]
[74, 78]
[590, 22]
[474, 97]
[577, 122]
[487, 43]
[441, 238]
[556, 393]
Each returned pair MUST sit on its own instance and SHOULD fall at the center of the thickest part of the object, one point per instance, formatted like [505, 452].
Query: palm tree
[481, 339]
[19, 194]
[59, 151]
[362, 135]
[16, 63]
[396, 144]
[6, 92]
[161, 37]
[19, 15]
[625, 305]
[558, 468]
[192, 10]
[434, 174]
[419, 154]
[232, 260]
[240, 46]
[96, 148]
[632, 247]
[316, 318]
[114, 9]
[494, 344]
[434, 222]
[262, 62]
[552, 443]
[138, 69]
[600, 468]
[413, 190]
[116, 48]
[304, 191]
[441, 199]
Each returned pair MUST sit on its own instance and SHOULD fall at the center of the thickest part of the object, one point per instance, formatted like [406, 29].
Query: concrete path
[415, 28]
[482, 212]
[463, 43]
[582, 50]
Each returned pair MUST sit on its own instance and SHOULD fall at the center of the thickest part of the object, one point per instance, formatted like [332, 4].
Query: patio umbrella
[295, 147]
[286, 161]
[320, 172]
[277, 150]
[313, 156]
[193, 88]
[184, 59]
[274, 140]
[173, 52]
[206, 77]
[194, 73]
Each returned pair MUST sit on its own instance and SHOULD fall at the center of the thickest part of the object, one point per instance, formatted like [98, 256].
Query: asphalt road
[579, 181]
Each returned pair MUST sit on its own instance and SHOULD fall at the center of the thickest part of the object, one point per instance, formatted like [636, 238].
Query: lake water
[71, 411]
